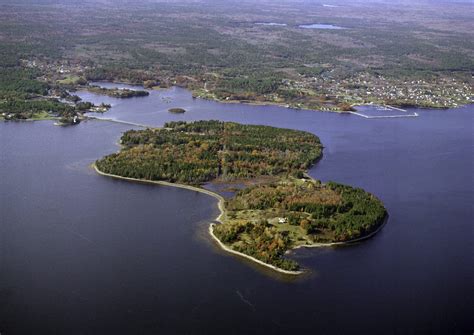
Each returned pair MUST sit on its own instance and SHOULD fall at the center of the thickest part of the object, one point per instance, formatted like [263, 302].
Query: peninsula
[282, 209]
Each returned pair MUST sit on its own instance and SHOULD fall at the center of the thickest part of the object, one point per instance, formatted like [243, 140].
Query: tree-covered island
[121, 93]
[177, 110]
[274, 215]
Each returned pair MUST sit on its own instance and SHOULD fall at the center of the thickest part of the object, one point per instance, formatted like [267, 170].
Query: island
[177, 110]
[277, 206]
[122, 93]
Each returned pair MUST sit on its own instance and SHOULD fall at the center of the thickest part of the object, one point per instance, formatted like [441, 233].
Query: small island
[177, 110]
[281, 208]
[122, 93]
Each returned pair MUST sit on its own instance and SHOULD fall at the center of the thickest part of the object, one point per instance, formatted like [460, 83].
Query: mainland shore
[221, 216]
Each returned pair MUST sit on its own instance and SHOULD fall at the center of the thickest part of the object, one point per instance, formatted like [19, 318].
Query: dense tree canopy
[266, 219]
[22, 96]
[197, 152]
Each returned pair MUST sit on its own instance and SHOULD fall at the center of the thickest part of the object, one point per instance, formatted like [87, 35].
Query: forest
[122, 93]
[23, 96]
[265, 221]
[220, 52]
[271, 216]
[194, 153]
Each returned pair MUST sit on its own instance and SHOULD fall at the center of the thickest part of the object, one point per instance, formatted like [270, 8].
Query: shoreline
[165, 183]
[52, 118]
[281, 104]
[226, 248]
[322, 109]
[265, 103]
[339, 244]
[220, 205]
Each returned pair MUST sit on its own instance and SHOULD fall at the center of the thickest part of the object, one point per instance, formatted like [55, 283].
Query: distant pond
[320, 26]
[303, 26]
[271, 24]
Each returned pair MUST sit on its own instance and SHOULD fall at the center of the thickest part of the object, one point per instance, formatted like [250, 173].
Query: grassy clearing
[42, 116]
[71, 80]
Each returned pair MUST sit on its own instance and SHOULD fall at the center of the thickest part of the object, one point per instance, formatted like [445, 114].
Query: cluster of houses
[364, 87]
[61, 67]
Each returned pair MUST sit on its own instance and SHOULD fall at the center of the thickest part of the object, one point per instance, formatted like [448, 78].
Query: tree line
[197, 152]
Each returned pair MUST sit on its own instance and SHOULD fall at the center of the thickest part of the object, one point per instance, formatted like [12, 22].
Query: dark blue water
[84, 254]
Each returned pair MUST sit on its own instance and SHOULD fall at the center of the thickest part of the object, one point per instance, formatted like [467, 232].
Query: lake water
[275, 24]
[320, 26]
[304, 26]
[85, 254]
